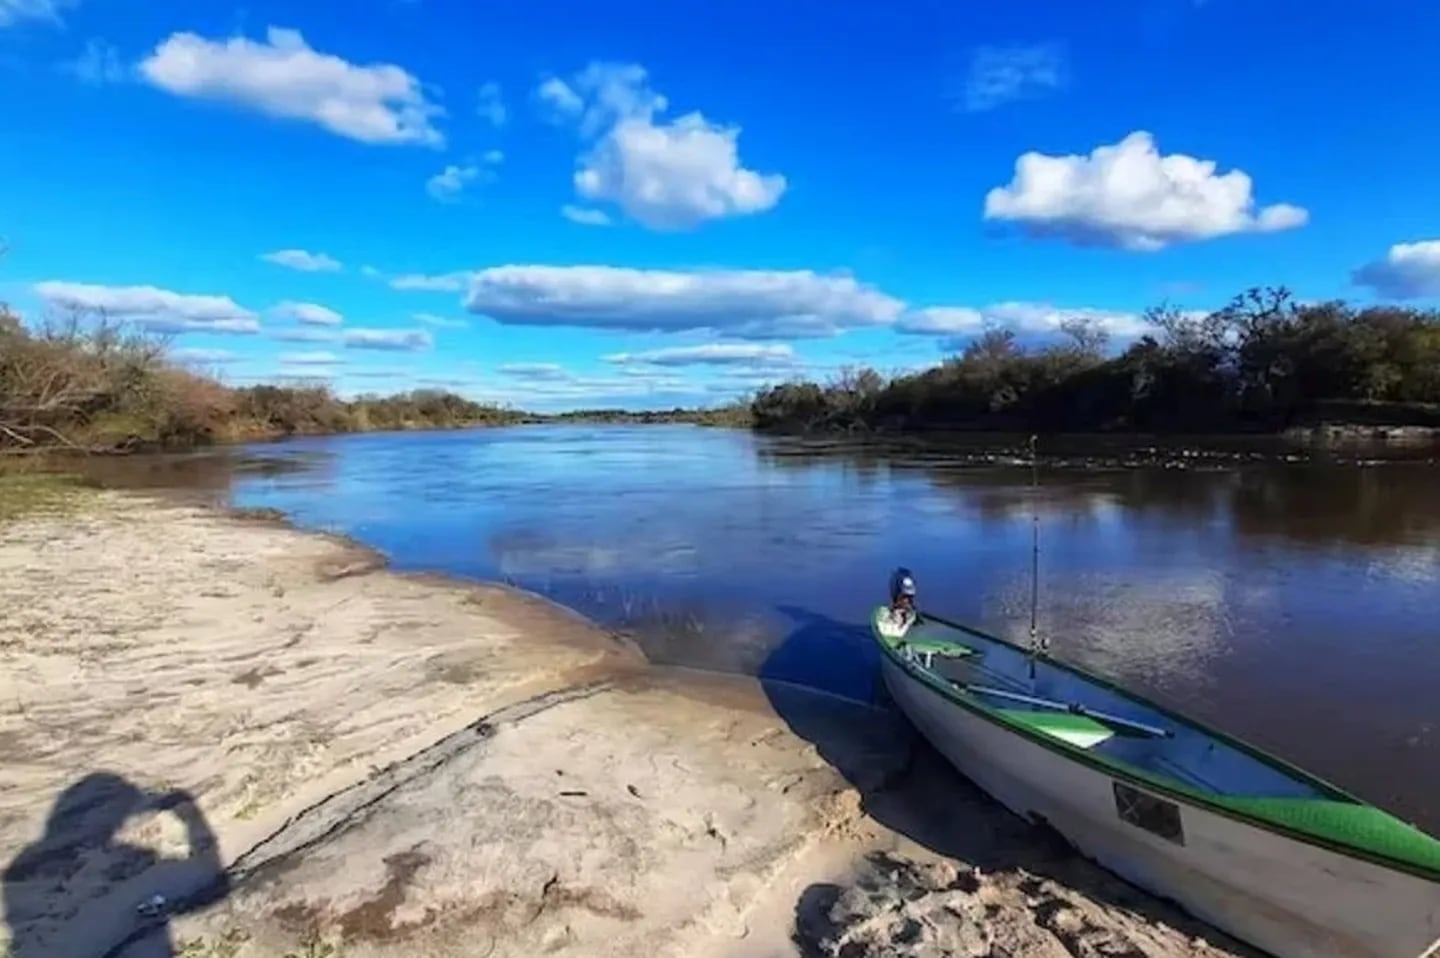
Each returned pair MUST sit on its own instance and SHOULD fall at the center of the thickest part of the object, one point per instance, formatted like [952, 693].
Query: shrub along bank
[92, 385]
[1263, 363]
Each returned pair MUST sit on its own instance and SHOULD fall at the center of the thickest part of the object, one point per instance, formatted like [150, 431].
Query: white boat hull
[1291, 898]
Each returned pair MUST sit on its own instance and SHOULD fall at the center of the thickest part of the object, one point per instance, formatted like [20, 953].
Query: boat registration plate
[1155, 815]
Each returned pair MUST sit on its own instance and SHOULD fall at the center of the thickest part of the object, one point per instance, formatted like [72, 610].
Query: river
[1291, 603]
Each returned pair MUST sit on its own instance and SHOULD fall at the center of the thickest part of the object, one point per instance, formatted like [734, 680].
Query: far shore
[1383, 439]
[258, 742]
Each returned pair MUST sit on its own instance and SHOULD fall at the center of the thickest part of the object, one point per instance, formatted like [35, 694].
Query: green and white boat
[1258, 848]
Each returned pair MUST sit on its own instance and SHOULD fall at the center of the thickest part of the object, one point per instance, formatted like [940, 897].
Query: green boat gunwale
[1140, 777]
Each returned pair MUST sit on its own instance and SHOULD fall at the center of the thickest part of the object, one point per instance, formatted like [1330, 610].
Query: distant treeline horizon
[1262, 363]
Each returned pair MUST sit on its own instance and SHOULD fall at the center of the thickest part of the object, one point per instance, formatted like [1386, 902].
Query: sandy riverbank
[297, 749]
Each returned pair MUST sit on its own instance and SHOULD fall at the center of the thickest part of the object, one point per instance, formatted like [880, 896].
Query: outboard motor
[902, 583]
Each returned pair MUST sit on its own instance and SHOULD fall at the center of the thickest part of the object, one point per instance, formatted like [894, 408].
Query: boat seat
[1077, 730]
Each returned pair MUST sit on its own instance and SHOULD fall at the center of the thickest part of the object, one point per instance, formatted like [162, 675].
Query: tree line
[736, 414]
[1262, 363]
[85, 383]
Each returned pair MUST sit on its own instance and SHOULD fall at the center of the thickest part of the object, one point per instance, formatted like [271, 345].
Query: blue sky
[563, 204]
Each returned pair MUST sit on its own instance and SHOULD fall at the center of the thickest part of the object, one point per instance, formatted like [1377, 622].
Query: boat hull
[1291, 898]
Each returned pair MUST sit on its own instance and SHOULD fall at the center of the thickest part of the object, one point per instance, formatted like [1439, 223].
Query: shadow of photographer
[81, 889]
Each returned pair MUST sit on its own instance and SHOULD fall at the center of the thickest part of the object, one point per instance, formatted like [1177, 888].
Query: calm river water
[1294, 604]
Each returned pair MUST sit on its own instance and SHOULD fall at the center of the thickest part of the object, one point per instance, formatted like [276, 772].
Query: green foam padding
[1076, 729]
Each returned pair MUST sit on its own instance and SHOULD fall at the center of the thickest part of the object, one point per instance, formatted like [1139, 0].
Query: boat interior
[1066, 706]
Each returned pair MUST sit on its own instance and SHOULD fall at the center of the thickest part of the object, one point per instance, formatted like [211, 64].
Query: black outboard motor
[902, 583]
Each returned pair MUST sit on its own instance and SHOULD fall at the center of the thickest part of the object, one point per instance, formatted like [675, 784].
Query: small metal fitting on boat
[152, 906]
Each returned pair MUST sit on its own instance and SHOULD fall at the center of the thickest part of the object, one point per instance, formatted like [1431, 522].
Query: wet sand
[228, 738]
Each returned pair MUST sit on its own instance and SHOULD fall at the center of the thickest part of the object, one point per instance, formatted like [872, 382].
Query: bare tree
[1087, 336]
[54, 378]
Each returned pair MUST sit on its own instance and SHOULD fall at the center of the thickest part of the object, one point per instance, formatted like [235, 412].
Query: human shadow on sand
[82, 890]
[906, 786]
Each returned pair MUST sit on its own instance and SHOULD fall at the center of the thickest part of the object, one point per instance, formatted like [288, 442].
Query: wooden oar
[1074, 708]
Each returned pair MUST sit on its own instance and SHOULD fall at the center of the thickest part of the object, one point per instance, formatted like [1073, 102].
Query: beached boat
[1239, 838]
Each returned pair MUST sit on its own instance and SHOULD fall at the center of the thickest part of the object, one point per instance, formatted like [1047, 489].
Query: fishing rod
[1038, 646]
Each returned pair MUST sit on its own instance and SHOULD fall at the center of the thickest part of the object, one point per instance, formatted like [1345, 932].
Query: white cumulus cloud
[436, 283]
[585, 216]
[544, 372]
[98, 64]
[1002, 74]
[941, 321]
[1129, 195]
[302, 260]
[321, 358]
[546, 389]
[395, 340]
[711, 354]
[1044, 318]
[490, 105]
[13, 11]
[305, 335]
[283, 77]
[449, 183]
[675, 175]
[161, 310]
[753, 304]
[439, 322]
[666, 175]
[1408, 271]
[1037, 318]
[601, 95]
[557, 96]
[311, 314]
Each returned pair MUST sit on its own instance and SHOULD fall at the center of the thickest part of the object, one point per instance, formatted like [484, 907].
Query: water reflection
[1384, 506]
[525, 553]
[1266, 595]
[207, 475]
